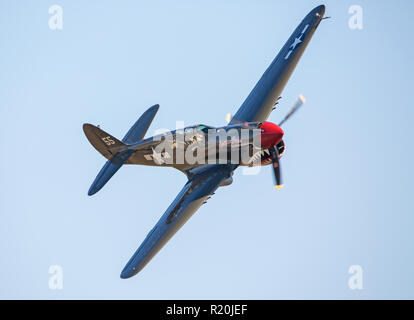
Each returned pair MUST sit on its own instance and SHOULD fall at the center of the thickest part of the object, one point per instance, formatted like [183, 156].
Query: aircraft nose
[271, 135]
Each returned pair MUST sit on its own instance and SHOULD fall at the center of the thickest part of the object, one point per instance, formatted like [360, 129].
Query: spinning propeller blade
[274, 152]
[298, 104]
[276, 167]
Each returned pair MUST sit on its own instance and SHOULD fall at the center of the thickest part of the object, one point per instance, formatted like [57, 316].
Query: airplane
[205, 178]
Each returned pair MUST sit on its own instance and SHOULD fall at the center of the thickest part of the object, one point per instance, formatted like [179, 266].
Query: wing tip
[128, 272]
[155, 107]
[124, 275]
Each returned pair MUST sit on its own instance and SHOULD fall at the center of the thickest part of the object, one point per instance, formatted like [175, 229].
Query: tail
[113, 149]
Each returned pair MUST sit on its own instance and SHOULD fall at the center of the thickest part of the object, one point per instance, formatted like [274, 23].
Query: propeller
[274, 152]
[277, 178]
[297, 105]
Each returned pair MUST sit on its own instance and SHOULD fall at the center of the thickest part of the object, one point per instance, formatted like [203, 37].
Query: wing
[267, 91]
[195, 192]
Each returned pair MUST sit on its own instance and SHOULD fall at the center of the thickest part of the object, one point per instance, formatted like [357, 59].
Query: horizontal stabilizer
[116, 151]
[108, 170]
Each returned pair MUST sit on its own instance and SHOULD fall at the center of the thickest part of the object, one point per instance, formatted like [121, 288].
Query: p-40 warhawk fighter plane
[204, 179]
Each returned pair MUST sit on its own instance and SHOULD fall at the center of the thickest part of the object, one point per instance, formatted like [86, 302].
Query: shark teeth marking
[259, 154]
[256, 156]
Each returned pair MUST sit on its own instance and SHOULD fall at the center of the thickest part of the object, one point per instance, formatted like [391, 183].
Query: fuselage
[244, 144]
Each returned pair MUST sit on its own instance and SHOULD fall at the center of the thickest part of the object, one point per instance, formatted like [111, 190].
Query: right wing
[196, 191]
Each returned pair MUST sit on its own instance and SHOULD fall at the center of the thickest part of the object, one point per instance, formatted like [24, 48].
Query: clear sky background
[347, 168]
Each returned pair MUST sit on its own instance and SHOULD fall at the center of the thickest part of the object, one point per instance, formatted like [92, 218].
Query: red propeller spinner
[271, 135]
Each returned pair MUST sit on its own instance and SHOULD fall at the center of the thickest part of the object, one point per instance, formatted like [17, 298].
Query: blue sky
[347, 167]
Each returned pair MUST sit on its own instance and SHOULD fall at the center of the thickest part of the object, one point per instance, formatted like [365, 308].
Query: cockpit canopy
[199, 127]
[203, 127]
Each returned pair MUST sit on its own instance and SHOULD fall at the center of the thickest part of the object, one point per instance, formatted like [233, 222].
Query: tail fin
[113, 149]
[103, 142]
[140, 128]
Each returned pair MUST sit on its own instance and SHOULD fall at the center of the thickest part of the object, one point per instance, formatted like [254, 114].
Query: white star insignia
[296, 42]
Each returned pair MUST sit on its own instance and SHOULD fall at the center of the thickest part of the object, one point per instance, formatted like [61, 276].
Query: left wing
[258, 105]
[196, 191]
